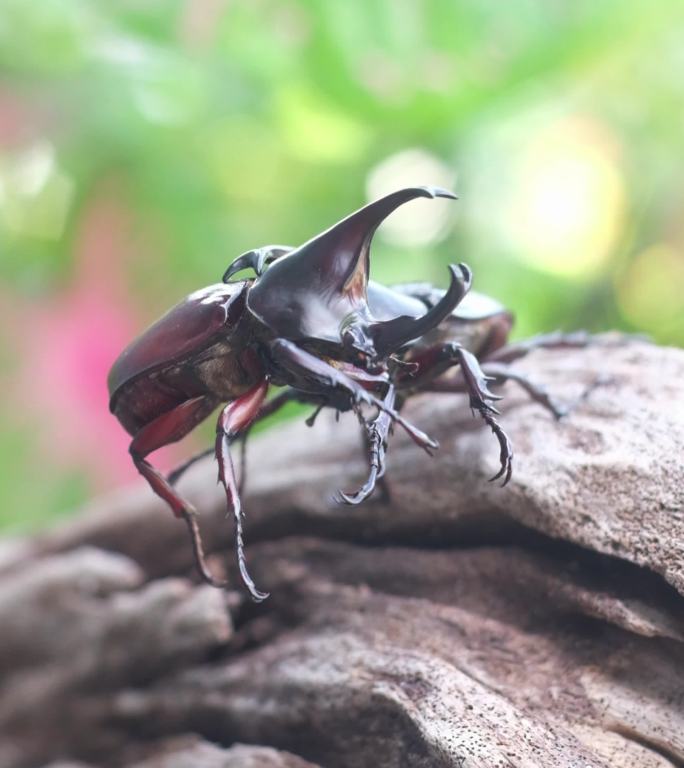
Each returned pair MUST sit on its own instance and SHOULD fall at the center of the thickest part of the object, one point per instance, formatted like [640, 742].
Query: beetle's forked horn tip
[256, 260]
[440, 192]
[466, 276]
[244, 261]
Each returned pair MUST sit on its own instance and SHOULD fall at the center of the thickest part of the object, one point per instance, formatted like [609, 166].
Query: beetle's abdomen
[219, 374]
[141, 404]
[144, 399]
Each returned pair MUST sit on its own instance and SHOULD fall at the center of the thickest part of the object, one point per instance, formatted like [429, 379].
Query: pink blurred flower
[68, 344]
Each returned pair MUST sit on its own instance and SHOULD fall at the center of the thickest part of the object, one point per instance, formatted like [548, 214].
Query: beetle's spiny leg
[257, 595]
[376, 471]
[268, 409]
[165, 429]
[376, 433]
[234, 419]
[537, 392]
[190, 517]
[304, 365]
[476, 380]
[175, 475]
[553, 340]
[227, 478]
[181, 509]
[505, 449]
[476, 384]
[243, 461]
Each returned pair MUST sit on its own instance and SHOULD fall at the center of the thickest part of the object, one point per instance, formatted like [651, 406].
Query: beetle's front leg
[430, 363]
[235, 418]
[307, 371]
[376, 434]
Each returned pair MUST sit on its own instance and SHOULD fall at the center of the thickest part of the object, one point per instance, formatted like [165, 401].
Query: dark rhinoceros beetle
[311, 321]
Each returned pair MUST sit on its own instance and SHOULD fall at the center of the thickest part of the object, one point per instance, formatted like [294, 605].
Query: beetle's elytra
[310, 321]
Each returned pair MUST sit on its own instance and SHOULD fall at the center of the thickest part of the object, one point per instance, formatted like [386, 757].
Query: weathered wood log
[458, 624]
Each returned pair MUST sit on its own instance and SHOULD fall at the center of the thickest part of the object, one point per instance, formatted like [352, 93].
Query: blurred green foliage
[213, 127]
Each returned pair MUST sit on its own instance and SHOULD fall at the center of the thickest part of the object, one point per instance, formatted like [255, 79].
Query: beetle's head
[317, 293]
[358, 347]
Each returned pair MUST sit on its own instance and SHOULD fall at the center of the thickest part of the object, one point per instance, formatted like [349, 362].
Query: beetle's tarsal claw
[376, 471]
[351, 500]
[190, 518]
[340, 497]
[505, 449]
[256, 594]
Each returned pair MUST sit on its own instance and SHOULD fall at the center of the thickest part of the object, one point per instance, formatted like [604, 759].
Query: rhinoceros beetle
[312, 322]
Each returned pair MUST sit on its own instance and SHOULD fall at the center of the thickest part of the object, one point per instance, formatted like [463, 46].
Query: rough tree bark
[461, 624]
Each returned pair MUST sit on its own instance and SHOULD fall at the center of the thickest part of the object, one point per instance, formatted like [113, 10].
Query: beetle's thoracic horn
[256, 260]
[309, 292]
[389, 335]
[344, 248]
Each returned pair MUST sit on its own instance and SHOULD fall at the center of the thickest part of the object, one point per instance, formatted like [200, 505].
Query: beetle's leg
[267, 409]
[234, 419]
[555, 340]
[270, 407]
[166, 429]
[502, 373]
[310, 371]
[375, 434]
[537, 392]
[175, 474]
[243, 461]
[433, 361]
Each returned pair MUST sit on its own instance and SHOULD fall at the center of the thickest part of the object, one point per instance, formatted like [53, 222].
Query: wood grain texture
[460, 624]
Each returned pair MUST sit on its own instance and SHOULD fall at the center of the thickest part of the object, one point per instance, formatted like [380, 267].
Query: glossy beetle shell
[191, 325]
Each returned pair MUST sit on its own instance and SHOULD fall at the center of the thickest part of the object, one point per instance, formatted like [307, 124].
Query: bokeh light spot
[650, 291]
[316, 130]
[35, 194]
[421, 221]
[568, 202]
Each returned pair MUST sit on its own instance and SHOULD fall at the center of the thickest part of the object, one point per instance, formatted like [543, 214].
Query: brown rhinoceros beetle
[311, 321]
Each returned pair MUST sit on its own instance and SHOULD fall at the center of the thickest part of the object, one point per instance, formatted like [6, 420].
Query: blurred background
[143, 145]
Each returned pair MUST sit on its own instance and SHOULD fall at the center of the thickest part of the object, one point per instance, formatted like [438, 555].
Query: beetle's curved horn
[256, 260]
[312, 290]
[342, 252]
[389, 335]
